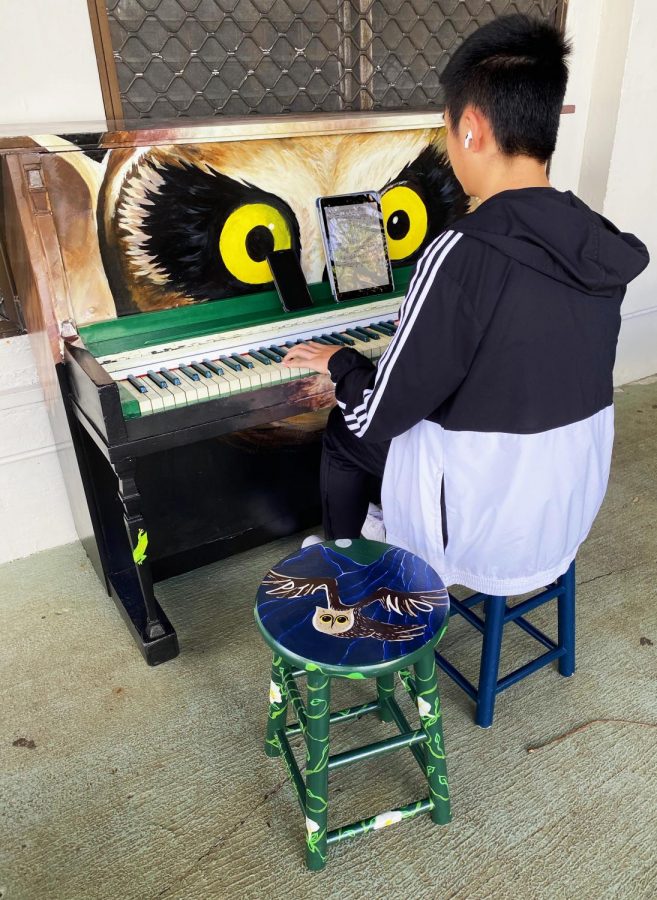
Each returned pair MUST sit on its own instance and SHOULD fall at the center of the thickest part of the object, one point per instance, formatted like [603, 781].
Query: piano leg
[132, 590]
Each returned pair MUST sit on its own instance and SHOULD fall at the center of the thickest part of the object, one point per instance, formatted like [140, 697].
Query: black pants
[350, 478]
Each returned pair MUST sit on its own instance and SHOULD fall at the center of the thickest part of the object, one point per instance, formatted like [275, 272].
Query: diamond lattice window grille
[231, 57]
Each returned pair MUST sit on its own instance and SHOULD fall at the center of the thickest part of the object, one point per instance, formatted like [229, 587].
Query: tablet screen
[357, 246]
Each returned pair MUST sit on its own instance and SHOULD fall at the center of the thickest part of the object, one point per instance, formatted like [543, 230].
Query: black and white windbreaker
[497, 390]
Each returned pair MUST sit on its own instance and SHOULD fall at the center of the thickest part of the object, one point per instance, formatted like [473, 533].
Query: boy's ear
[475, 123]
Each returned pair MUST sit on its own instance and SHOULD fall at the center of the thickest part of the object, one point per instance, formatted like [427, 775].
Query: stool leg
[385, 687]
[277, 708]
[317, 756]
[494, 609]
[428, 701]
[566, 623]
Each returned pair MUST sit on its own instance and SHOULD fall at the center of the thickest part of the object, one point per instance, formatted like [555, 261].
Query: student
[490, 415]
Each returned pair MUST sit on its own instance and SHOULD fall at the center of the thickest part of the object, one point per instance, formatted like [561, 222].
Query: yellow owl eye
[341, 620]
[326, 618]
[406, 220]
[249, 234]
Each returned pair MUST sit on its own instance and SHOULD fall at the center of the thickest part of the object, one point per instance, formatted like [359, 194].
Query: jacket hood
[558, 235]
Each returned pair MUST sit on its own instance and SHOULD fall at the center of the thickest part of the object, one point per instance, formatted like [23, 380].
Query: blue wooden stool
[496, 615]
[353, 609]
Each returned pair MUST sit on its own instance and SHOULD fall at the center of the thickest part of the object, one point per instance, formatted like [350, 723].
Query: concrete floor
[120, 781]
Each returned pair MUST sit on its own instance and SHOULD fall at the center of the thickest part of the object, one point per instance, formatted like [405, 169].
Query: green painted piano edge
[129, 406]
[153, 328]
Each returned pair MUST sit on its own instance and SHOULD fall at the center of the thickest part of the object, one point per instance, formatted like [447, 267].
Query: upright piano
[138, 258]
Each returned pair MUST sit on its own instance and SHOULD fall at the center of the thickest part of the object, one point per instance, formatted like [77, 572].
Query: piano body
[137, 255]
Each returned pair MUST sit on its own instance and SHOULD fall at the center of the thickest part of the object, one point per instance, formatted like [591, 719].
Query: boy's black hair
[514, 71]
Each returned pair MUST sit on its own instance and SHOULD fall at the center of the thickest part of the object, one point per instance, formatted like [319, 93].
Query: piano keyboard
[162, 378]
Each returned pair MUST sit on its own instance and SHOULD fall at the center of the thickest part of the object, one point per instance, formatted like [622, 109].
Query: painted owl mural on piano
[183, 224]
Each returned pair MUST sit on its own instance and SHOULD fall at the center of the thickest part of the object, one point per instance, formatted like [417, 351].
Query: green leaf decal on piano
[139, 553]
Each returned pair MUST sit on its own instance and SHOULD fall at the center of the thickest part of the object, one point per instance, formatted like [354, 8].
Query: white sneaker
[310, 540]
[374, 528]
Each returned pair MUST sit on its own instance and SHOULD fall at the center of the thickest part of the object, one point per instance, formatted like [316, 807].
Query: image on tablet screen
[357, 246]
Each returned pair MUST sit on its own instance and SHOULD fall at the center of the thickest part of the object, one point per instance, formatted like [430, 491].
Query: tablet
[355, 244]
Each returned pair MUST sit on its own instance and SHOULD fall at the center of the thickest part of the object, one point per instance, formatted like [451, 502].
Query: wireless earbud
[468, 140]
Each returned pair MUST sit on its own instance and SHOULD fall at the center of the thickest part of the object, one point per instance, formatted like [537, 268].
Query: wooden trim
[109, 81]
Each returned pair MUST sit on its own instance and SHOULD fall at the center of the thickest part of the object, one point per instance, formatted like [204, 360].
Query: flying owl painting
[178, 224]
[352, 602]
[348, 621]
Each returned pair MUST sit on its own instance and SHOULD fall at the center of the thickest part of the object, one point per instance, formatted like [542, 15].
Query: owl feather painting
[178, 224]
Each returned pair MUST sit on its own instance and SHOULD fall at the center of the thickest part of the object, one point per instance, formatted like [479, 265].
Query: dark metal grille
[230, 57]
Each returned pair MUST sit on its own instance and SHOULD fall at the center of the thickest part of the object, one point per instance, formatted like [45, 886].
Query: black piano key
[359, 335]
[190, 373]
[343, 339]
[270, 354]
[157, 379]
[139, 385]
[202, 370]
[242, 361]
[230, 363]
[320, 340]
[369, 332]
[280, 351]
[331, 340]
[170, 376]
[260, 357]
[212, 367]
[385, 330]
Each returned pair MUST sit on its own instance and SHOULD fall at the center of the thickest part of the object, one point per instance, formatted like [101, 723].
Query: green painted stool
[353, 609]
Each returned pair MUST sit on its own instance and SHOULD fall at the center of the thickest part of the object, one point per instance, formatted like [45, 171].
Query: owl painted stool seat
[353, 609]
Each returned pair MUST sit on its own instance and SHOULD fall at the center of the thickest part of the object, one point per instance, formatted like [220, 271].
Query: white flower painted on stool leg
[387, 818]
[424, 708]
[274, 693]
[311, 826]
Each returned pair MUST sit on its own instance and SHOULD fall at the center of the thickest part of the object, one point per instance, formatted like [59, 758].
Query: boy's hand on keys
[310, 355]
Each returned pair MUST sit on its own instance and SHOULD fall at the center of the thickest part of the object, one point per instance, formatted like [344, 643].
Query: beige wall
[606, 153]
[48, 69]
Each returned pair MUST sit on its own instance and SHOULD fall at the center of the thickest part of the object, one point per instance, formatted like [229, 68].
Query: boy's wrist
[344, 361]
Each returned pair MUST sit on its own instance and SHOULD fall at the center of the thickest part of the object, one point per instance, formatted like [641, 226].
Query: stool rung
[402, 723]
[527, 669]
[372, 824]
[532, 603]
[294, 697]
[369, 751]
[456, 676]
[342, 715]
[534, 632]
[468, 615]
[293, 771]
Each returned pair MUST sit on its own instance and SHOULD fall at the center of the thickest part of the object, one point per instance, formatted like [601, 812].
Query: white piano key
[167, 398]
[191, 384]
[152, 392]
[188, 387]
[178, 394]
[223, 384]
[336, 319]
[265, 373]
[212, 385]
